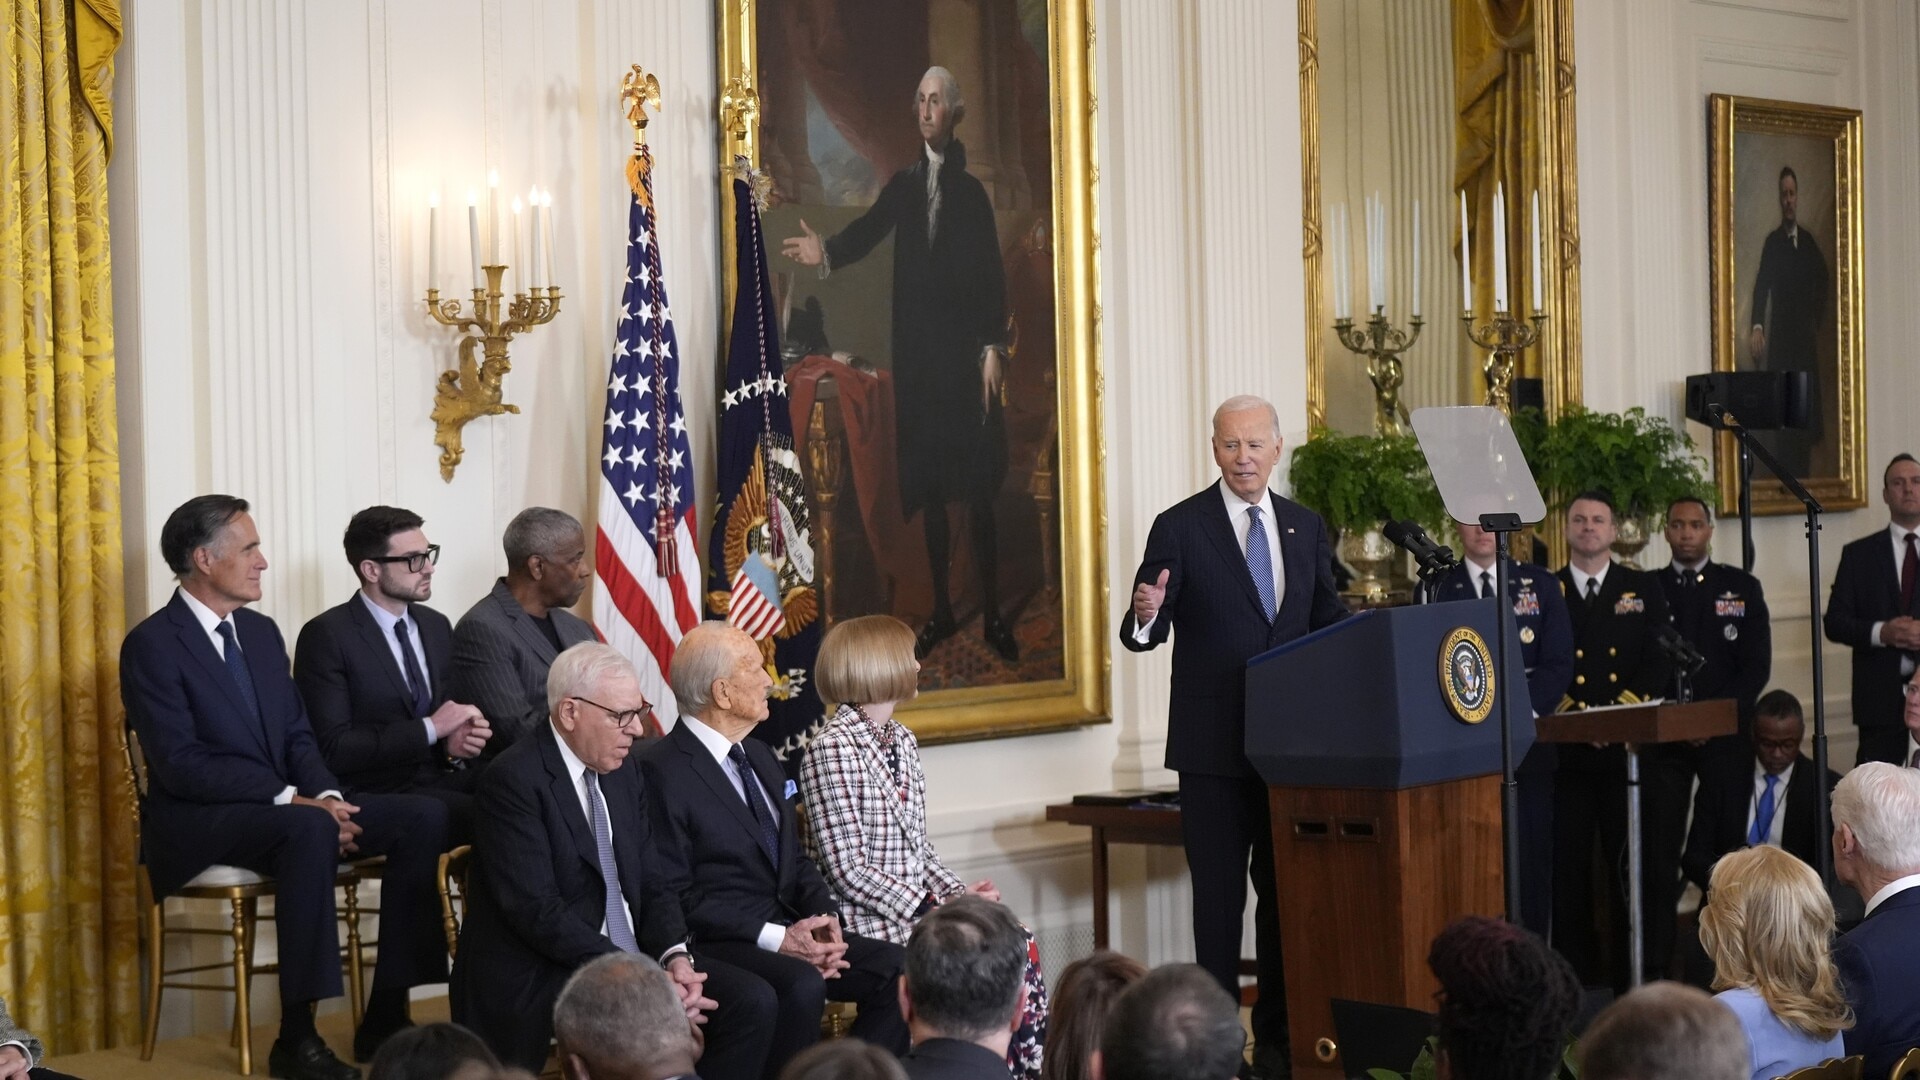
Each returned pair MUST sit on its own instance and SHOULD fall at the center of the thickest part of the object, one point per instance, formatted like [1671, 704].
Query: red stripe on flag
[632, 601]
[683, 610]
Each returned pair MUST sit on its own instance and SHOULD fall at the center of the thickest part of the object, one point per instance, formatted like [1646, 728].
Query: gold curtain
[67, 904]
[1497, 94]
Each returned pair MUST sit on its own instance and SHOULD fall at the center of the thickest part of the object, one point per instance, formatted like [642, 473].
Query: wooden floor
[208, 1057]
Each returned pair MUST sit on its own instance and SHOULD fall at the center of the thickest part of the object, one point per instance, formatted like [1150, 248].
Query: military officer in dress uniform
[1616, 612]
[1721, 610]
[1546, 645]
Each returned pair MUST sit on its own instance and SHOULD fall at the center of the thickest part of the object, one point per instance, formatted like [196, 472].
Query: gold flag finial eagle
[639, 91]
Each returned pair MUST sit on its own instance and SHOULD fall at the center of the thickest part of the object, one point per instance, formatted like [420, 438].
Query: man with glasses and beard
[373, 673]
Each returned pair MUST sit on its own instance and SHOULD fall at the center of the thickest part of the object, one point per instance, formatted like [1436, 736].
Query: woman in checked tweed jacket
[865, 799]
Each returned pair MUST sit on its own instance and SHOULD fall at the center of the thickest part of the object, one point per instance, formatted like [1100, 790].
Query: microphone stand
[1823, 824]
[1503, 525]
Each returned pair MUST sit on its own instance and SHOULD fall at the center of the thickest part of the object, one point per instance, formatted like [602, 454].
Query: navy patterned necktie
[619, 930]
[762, 816]
[410, 664]
[237, 667]
[1260, 561]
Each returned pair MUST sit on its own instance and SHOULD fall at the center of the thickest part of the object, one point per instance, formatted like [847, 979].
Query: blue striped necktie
[1763, 815]
[619, 930]
[1260, 561]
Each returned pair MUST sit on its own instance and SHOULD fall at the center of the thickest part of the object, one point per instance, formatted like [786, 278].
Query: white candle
[1537, 283]
[1415, 312]
[533, 268]
[473, 236]
[433, 240]
[1373, 255]
[1499, 248]
[493, 218]
[1337, 246]
[546, 210]
[1466, 260]
[519, 268]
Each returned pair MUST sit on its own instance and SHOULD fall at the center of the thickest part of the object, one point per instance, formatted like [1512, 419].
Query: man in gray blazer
[21, 1052]
[504, 644]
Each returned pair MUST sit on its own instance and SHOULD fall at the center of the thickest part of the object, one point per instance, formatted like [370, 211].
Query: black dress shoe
[368, 1040]
[938, 629]
[1000, 636]
[308, 1059]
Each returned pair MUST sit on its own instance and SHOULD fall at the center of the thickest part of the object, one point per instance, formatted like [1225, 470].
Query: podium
[1385, 803]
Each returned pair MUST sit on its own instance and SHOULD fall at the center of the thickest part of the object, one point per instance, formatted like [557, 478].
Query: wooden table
[1117, 823]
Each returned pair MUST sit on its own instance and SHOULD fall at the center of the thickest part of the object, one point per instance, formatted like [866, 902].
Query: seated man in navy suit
[373, 672]
[1762, 793]
[236, 778]
[753, 899]
[1876, 849]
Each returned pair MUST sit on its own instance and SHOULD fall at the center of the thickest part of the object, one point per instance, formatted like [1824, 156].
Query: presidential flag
[760, 554]
[646, 590]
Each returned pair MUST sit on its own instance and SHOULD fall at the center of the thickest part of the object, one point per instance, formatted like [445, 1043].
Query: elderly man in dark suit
[723, 807]
[373, 672]
[503, 645]
[236, 778]
[1237, 570]
[1876, 849]
[567, 868]
[1874, 607]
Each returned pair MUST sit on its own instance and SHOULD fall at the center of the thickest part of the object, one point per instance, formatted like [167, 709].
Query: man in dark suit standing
[1238, 570]
[1546, 646]
[1763, 794]
[1875, 598]
[1790, 298]
[373, 672]
[966, 968]
[503, 645]
[723, 809]
[1721, 610]
[1616, 612]
[236, 778]
[567, 868]
[1876, 849]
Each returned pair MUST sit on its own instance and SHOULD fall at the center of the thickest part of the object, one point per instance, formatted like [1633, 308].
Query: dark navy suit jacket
[1879, 963]
[1866, 590]
[203, 747]
[1211, 600]
[357, 696]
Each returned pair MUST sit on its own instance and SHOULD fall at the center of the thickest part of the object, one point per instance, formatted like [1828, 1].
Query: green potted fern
[1643, 462]
[1358, 483]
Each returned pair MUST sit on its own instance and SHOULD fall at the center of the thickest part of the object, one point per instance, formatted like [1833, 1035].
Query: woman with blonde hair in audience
[1768, 926]
[865, 800]
[1082, 997]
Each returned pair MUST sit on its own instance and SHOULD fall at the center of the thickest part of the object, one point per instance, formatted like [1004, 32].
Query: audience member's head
[1591, 525]
[390, 555]
[595, 703]
[1778, 727]
[1664, 1031]
[1174, 1024]
[966, 968]
[867, 660]
[718, 677]
[433, 1052]
[1077, 1011]
[1911, 714]
[546, 557]
[211, 544]
[1507, 1001]
[620, 1018]
[1876, 826]
[1766, 926]
[843, 1059]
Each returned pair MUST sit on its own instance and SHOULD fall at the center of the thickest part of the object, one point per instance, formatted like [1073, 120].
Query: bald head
[719, 678]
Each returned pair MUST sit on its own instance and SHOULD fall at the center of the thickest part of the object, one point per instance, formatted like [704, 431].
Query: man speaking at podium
[1237, 570]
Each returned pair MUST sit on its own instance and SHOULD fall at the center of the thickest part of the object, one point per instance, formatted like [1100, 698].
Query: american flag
[646, 592]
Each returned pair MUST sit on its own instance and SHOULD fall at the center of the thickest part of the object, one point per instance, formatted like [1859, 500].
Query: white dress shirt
[1898, 536]
[577, 770]
[772, 935]
[210, 623]
[1897, 885]
[1581, 577]
[1237, 517]
[387, 620]
[1778, 827]
[1482, 587]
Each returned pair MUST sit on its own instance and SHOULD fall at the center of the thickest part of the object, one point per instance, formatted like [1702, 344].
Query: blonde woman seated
[865, 798]
[1767, 926]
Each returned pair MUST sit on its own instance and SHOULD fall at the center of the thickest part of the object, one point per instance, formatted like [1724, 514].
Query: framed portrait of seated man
[1786, 233]
[929, 236]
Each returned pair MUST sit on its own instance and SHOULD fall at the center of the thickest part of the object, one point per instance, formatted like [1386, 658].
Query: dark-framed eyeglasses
[416, 561]
[1912, 690]
[630, 720]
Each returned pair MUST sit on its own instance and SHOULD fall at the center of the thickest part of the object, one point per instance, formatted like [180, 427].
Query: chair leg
[353, 952]
[243, 983]
[156, 976]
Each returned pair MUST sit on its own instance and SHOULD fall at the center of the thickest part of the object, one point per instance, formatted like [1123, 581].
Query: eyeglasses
[630, 719]
[416, 561]
[1910, 689]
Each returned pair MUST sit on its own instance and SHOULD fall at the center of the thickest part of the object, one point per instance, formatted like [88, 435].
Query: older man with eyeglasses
[566, 868]
[373, 674]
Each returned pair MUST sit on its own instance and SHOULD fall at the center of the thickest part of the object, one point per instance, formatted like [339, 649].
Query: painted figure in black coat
[1616, 612]
[1873, 608]
[1875, 851]
[1231, 599]
[949, 346]
[1790, 297]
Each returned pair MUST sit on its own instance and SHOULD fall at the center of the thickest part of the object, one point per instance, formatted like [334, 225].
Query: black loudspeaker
[1759, 400]
[1529, 393]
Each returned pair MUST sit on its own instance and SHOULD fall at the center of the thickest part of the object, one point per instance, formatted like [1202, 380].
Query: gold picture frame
[1064, 481]
[1755, 147]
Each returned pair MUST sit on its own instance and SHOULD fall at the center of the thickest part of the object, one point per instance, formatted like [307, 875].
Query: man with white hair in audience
[620, 1018]
[1664, 1031]
[1876, 849]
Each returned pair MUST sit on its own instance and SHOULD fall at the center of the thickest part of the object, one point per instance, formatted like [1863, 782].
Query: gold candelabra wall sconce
[1381, 343]
[1505, 337]
[476, 387]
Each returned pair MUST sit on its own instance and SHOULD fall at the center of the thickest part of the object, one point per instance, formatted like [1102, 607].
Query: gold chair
[453, 894]
[1846, 1068]
[242, 890]
[1908, 1067]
